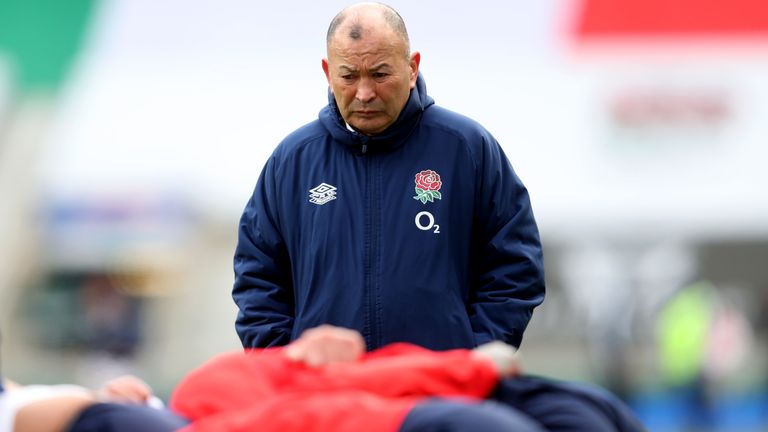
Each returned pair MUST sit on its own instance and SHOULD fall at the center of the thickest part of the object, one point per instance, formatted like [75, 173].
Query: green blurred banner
[40, 38]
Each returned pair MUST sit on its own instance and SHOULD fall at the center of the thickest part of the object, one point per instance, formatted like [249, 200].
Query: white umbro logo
[322, 194]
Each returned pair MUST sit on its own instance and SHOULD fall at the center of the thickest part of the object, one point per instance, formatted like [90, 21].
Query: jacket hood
[392, 137]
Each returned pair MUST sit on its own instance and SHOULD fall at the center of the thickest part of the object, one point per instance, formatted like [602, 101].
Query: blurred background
[133, 131]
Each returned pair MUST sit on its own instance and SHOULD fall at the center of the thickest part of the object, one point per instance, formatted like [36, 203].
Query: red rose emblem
[428, 186]
[428, 180]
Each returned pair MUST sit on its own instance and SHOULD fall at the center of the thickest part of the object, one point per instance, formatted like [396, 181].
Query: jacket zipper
[376, 329]
[371, 330]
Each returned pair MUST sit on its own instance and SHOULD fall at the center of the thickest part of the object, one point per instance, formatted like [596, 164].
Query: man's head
[369, 67]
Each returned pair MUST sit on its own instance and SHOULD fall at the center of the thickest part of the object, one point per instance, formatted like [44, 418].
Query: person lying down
[323, 381]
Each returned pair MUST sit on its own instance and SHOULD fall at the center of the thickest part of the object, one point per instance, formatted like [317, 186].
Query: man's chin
[369, 127]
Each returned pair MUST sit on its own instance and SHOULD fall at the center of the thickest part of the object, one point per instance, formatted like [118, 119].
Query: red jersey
[262, 390]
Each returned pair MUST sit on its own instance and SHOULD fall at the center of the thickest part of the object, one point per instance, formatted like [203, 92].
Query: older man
[387, 214]
[402, 220]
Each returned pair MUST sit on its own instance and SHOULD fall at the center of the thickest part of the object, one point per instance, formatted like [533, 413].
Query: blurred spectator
[111, 317]
[703, 339]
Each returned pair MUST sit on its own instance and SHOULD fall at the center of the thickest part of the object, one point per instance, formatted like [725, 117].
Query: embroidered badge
[322, 194]
[428, 186]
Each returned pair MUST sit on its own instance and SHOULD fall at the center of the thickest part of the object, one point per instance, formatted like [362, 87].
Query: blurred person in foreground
[324, 381]
[392, 216]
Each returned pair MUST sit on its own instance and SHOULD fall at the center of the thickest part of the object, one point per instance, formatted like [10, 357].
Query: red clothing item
[262, 390]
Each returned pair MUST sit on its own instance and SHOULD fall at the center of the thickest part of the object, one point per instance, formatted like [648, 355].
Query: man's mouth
[366, 113]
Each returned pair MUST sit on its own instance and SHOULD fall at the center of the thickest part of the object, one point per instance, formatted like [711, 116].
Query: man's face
[371, 78]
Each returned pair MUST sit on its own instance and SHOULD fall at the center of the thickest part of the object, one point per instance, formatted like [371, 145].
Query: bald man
[397, 218]
[388, 214]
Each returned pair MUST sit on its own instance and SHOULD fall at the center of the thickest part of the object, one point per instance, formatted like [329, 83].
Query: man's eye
[347, 77]
[379, 75]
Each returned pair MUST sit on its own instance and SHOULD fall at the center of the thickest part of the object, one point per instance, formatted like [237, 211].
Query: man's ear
[414, 64]
[327, 73]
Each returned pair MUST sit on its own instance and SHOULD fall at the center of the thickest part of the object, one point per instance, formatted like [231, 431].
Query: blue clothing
[420, 234]
[116, 417]
[447, 415]
[566, 406]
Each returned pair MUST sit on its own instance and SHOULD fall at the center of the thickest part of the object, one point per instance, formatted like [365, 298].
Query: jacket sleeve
[508, 279]
[263, 289]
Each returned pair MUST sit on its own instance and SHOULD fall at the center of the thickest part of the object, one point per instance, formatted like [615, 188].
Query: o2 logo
[425, 221]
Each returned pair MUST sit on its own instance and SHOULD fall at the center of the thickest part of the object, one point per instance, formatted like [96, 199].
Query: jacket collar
[392, 137]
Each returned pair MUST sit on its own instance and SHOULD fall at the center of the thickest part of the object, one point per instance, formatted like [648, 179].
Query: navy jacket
[422, 234]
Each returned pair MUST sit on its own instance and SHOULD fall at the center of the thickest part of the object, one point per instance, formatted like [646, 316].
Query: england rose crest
[428, 186]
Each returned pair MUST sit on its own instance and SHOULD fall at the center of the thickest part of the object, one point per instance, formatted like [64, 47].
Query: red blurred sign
[676, 18]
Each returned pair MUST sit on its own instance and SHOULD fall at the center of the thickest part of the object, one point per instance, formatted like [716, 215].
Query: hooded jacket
[421, 234]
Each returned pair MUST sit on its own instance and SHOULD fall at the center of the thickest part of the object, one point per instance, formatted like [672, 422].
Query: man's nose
[366, 90]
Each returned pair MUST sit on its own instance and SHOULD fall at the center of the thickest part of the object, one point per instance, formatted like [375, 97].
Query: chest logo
[428, 186]
[322, 194]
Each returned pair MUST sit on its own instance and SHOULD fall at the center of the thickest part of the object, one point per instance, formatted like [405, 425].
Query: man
[388, 214]
[402, 220]
[324, 381]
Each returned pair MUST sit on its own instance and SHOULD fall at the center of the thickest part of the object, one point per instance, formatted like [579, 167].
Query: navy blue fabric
[567, 407]
[438, 415]
[110, 417]
[466, 272]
